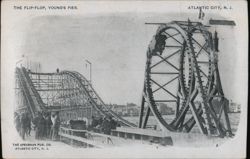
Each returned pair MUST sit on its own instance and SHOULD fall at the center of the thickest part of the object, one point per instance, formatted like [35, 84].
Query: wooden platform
[120, 136]
[143, 134]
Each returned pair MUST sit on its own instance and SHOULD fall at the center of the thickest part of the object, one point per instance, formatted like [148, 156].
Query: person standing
[23, 125]
[48, 124]
[41, 127]
[113, 123]
[106, 126]
[17, 122]
[100, 121]
[35, 122]
[28, 124]
[94, 122]
[55, 126]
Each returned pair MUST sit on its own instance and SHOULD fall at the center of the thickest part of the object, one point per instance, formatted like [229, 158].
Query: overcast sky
[115, 44]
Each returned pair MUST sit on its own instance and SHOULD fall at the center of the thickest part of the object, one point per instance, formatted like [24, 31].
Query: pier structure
[181, 72]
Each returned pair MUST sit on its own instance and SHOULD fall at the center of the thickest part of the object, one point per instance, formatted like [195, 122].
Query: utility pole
[90, 71]
[90, 80]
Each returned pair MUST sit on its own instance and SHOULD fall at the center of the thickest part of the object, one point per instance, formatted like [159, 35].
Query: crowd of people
[45, 124]
[23, 124]
[103, 125]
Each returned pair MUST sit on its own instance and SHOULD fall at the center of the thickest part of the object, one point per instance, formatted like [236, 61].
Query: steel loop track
[194, 78]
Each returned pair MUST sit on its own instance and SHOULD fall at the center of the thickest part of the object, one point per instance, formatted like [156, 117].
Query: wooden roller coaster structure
[67, 92]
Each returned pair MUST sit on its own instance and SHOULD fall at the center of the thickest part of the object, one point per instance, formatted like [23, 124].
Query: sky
[115, 44]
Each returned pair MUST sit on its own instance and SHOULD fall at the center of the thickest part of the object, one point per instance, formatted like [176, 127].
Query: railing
[31, 96]
[151, 136]
[88, 138]
[118, 137]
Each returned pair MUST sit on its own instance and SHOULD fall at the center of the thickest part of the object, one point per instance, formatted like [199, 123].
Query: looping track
[63, 91]
[185, 71]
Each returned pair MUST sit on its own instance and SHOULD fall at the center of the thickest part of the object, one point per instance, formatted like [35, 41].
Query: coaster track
[64, 91]
[182, 64]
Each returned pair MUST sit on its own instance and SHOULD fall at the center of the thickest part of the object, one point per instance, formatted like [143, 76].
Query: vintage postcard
[124, 79]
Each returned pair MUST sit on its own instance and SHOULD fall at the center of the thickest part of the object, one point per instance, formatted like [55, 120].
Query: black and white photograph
[126, 79]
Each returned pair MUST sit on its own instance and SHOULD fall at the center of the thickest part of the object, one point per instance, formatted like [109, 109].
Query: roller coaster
[67, 92]
[181, 72]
